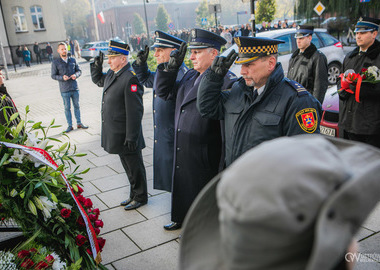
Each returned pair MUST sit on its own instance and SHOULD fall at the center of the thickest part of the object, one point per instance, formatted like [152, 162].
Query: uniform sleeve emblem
[134, 74]
[308, 119]
[134, 88]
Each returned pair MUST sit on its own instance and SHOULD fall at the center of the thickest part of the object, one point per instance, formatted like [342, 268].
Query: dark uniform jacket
[122, 108]
[163, 121]
[310, 70]
[284, 108]
[364, 117]
[197, 142]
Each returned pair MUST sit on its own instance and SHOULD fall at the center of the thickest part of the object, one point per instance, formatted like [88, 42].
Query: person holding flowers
[359, 114]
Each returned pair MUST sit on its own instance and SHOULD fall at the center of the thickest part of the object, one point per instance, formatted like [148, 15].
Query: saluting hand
[222, 64]
[176, 57]
[98, 60]
[142, 56]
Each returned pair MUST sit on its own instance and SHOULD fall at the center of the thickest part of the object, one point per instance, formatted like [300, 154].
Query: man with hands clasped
[122, 112]
[66, 71]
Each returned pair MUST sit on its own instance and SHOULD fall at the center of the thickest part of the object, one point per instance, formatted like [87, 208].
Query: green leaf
[84, 171]
[52, 122]
[38, 185]
[27, 109]
[30, 190]
[59, 231]
[53, 139]
[37, 125]
[67, 241]
[12, 169]
[56, 126]
[63, 147]
[48, 147]
[54, 181]
[80, 155]
[46, 190]
[14, 116]
[60, 168]
[3, 159]
[20, 173]
[19, 128]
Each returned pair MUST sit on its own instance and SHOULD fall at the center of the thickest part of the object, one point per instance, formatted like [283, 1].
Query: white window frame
[39, 14]
[19, 19]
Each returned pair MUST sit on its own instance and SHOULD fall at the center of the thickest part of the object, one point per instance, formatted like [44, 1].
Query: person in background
[26, 55]
[37, 52]
[77, 49]
[308, 65]
[49, 51]
[286, 23]
[66, 71]
[359, 114]
[19, 54]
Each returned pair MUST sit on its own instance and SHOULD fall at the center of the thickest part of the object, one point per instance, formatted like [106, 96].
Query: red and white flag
[101, 17]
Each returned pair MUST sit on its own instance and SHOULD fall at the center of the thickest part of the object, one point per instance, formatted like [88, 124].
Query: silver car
[92, 49]
[326, 43]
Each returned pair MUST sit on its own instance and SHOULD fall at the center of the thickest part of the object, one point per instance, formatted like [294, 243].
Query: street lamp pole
[146, 22]
[253, 18]
[95, 21]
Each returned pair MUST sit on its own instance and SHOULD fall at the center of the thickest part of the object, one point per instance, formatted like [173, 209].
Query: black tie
[254, 95]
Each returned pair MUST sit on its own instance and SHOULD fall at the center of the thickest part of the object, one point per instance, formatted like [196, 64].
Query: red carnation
[81, 199]
[99, 223]
[80, 221]
[23, 253]
[65, 213]
[96, 211]
[41, 265]
[27, 264]
[101, 242]
[49, 259]
[88, 203]
[80, 240]
[80, 190]
[97, 230]
[89, 251]
[92, 217]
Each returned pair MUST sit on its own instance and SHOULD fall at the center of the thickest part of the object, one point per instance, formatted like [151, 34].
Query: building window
[37, 18]
[19, 19]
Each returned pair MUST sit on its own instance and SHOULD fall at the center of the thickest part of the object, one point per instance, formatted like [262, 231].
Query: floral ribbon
[46, 159]
[350, 79]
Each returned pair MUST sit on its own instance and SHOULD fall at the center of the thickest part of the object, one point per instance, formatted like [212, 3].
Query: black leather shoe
[82, 126]
[133, 205]
[124, 203]
[173, 226]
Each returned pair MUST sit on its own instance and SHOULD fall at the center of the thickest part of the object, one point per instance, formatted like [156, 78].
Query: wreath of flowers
[37, 197]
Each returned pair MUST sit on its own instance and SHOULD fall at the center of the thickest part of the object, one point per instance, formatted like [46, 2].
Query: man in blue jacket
[163, 110]
[66, 71]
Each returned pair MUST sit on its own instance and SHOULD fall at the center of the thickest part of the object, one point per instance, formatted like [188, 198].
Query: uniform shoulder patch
[307, 119]
[301, 91]
[133, 87]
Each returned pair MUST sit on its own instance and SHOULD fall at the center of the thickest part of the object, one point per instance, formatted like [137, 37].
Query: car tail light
[93, 49]
[338, 45]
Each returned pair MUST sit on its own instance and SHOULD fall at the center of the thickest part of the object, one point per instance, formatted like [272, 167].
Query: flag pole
[95, 21]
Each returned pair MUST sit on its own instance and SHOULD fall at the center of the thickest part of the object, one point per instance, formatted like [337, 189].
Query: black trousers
[373, 139]
[134, 167]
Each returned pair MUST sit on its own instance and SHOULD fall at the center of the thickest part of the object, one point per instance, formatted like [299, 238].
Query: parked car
[92, 49]
[330, 115]
[329, 45]
[336, 24]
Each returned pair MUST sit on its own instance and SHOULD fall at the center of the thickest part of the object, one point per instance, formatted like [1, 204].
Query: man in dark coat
[163, 110]
[37, 52]
[197, 141]
[360, 119]
[122, 112]
[262, 105]
[308, 65]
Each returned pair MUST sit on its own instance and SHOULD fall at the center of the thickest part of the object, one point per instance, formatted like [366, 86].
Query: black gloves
[222, 64]
[176, 58]
[142, 56]
[131, 146]
[98, 60]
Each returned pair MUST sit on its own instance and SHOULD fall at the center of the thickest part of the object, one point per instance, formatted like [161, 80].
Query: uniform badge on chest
[133, 88]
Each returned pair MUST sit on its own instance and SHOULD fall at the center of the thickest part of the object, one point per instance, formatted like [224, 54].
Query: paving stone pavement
[135, 239]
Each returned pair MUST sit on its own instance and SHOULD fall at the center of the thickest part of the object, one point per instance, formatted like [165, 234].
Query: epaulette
[133, 73]
[301, 91]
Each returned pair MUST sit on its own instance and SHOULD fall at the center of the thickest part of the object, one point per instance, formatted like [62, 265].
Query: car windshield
[327, 39]
[86, 46]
